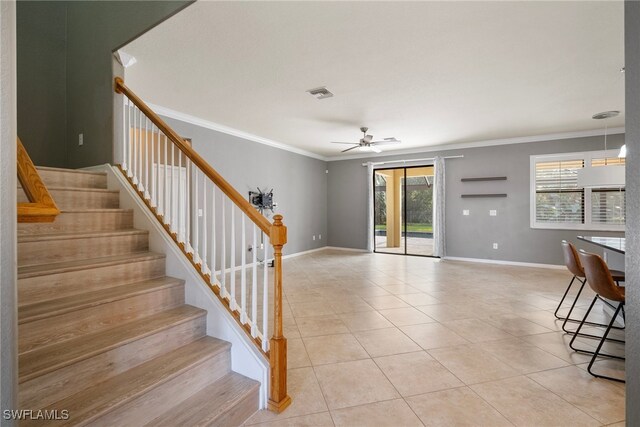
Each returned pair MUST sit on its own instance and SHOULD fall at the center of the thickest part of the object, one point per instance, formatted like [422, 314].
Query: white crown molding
[187, 118]
[486, 143]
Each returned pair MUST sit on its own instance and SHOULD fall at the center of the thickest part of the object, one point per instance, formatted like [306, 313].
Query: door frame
[404, 209]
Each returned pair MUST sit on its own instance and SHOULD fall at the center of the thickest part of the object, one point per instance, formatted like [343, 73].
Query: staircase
[103, 333]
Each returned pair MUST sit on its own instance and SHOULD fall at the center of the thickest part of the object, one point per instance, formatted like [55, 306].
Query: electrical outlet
[199, 212]
[465, 212]
[493, 212]
[319, 236]
[314, 237]
[495, 246]
[80, 139]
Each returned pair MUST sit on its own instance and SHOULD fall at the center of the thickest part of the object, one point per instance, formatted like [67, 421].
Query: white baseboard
[501, 262]
[339, 248]
[310, 251]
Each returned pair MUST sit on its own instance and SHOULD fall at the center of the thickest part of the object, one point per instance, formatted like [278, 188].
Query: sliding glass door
[403, 210]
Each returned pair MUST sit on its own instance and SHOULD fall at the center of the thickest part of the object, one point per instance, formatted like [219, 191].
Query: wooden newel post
[278, 397]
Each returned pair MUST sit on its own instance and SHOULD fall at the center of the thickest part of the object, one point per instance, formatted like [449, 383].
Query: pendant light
[607, 176]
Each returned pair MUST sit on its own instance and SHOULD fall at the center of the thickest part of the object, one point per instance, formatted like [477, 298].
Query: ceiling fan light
[364, 148]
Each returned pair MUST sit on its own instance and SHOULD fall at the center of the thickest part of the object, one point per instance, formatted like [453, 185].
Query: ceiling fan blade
[337, 142]
[368, 138]
[375, 149]
[349, 149]
[387, 142]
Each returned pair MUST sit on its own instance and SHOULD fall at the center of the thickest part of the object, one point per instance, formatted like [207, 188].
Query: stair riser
[47, 251]
[70, 325]
[75, 199]
[80, 221]
[72, 179]
[42, 288]
[139, 410]
[240, 412]
[43, 390]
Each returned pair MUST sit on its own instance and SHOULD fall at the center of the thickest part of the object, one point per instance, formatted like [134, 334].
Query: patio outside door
[403, 210]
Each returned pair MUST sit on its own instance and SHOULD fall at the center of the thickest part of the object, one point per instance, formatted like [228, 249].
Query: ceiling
[428, 73]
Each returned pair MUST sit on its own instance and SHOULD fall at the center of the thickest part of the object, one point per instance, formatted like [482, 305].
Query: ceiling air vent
[320, 92]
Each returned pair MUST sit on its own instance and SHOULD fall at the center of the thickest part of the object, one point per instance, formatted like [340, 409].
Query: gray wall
[632, 77]
[42, 123]
[65, 68]
[299, 183]
[8, 184]
[467, 236]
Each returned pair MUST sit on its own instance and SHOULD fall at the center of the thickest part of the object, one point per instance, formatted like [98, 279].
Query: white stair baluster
[213, 234]
[165, 198]
[243, 273]
[179, 219]
[188, 196]
[125, 159]
[146, 158]
[196, 221]
[152, 189]
[203, 254]
[134, 163]
[265, 298]
[223, 249]
[172, 204]
[233, 258]
[254, 287]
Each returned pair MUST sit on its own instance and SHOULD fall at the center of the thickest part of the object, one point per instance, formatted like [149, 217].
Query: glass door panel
[403, 210]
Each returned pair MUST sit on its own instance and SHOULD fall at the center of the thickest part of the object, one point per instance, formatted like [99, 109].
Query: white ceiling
[428, 73]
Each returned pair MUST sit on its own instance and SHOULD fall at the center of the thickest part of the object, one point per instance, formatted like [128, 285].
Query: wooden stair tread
[83, 264]
[31, 312]
[208, 404]
[50, 358]
[78, 235]
[95, 210]
[80, 189]
[114, 392]
[80, 171]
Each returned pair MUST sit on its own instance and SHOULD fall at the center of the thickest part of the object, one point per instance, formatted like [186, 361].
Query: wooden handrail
[277, 232]
[197, 160]
[40, 207]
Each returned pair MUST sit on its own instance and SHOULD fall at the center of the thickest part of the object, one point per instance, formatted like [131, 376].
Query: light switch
[495, 246]
[80, 139]
[465, 212]
[493, 212]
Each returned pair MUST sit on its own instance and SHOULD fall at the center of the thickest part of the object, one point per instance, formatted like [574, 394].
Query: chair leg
[583, 322]
[597, 352]
[555, 313]
[569, 319]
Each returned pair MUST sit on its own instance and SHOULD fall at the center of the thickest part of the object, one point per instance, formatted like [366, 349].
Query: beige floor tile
[610, 367]
[522, 356]
[602, 399]
[351, 304]
[557, 343]
[543, 318]
[385, 301]
[444, 312]
[399, 288]
[307, 309]
[383, 342]
[334, 348]
[321, 325]
[308, 399]
[354, 383]
[416, 373]
[516, 325]
[459, 407]
[391, 413]
[297, 356]
[433, 335]
[365, 321]
[418, 299]
[472, 365]
[314, 420]
[476, 330]
[526, 403]
[406, 316]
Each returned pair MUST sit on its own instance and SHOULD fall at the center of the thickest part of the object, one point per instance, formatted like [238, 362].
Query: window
[558, 202]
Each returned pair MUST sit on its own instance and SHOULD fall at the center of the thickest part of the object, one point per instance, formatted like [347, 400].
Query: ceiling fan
[366, 144]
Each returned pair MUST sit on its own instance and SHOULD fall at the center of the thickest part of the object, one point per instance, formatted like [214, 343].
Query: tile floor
[385, 340]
